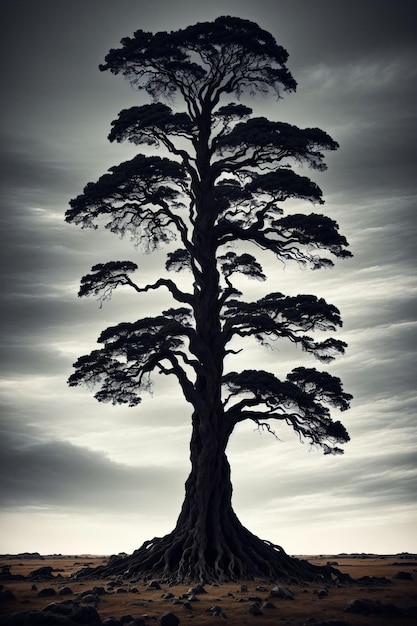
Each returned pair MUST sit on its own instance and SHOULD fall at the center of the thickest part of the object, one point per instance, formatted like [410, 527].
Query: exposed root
[178, 558]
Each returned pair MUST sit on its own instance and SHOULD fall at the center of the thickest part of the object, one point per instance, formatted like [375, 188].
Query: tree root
[179, 558]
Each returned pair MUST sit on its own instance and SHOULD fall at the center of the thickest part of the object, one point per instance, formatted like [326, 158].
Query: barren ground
[306, 607]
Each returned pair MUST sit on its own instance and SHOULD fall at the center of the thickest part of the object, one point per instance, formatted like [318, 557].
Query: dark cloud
[58, 473]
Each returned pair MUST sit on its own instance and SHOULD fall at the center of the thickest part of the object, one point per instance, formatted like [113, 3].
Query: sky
[77, 476]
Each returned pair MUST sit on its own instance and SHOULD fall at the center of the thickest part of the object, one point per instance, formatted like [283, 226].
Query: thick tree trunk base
[177, 558]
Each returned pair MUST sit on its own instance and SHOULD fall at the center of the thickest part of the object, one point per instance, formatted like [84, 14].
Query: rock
[187, 605]
[261, 589]
[370, 607]
[99, 591]
[42, 573]
[281, 592]
[403, 576]
[60, 608]
[86, 615]
[192, 598]
[197, 590]
[6, 595]
[255, 609]
[90, 598]
[46, 592]
[322, 593]
[169, 619]
[65, 591]
[243, 588]
[255, 599]
[154, 584]
[268, 605]
[111, 621]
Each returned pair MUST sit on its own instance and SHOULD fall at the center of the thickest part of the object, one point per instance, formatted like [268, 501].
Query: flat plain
[376, 579]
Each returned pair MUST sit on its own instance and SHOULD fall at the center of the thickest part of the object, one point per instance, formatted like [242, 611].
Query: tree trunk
[208, 542]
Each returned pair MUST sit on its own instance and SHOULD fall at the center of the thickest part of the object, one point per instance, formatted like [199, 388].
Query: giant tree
[217, 190]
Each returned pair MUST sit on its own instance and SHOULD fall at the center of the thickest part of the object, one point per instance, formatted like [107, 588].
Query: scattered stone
[65, 591]
[169, 619]
[197, 590]
[90, 598]
[281, 592]
[167, 596]
[99, 591]
[371, 607]
[255, 599]
[187, 605]
[192, 598]
[126, 619]
[216, 611]
[268, 605]
[121, 590]
[255, 609]
[322, 593]
[42, 573]
[403, 576]
[243, 588]
[86, 615]
[111, 621]
[154, 584]
[6, 595]
[261, 589]
[46, 592]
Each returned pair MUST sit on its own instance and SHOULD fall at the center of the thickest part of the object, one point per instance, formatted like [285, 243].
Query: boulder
[46, 592]
[65, 591]
[197, 590]
[42, 573]
[371, 607]
[403, 576]
[281, 592]
[255, 609]
[169, 619]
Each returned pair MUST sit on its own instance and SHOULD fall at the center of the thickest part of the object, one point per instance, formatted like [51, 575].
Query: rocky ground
[37, 590]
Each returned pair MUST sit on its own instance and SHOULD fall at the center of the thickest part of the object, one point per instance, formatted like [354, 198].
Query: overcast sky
[77, 476]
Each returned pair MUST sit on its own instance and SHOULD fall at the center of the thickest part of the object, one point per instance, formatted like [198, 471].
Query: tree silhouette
[223, 180]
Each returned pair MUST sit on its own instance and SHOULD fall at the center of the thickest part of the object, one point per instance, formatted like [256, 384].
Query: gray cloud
[58, 473]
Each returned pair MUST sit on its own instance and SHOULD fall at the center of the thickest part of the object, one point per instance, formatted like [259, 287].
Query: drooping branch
[276, 317]
[261, 143]
[292, 237]
[132, 350]
[139, 197]
[303, 401]
[108, 276]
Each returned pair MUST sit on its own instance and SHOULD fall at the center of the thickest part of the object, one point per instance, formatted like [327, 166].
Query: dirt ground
[137, 600]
